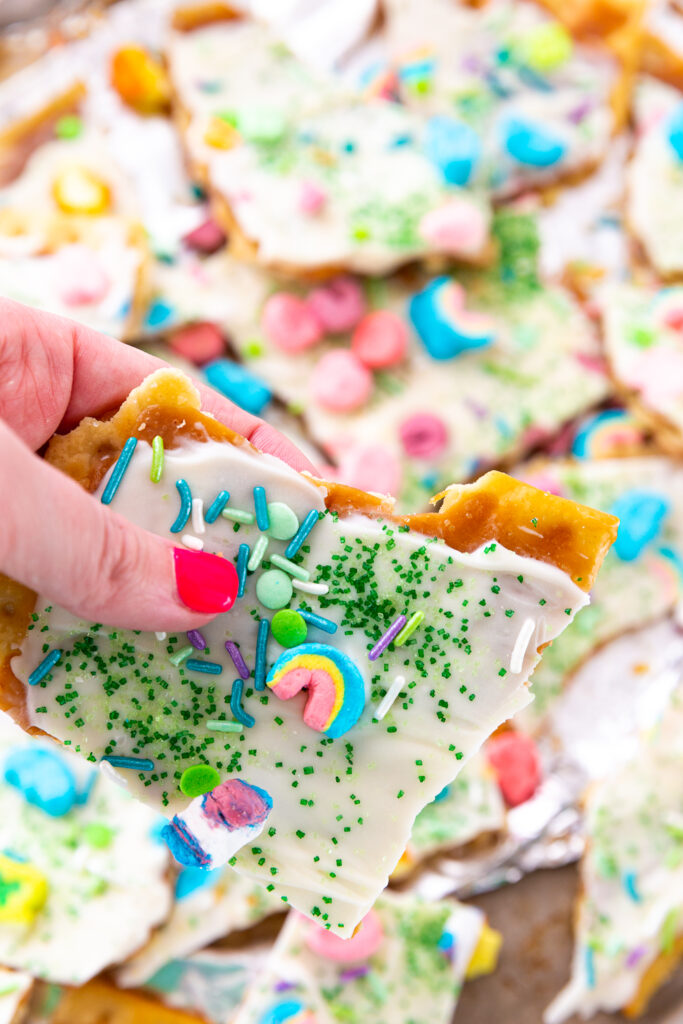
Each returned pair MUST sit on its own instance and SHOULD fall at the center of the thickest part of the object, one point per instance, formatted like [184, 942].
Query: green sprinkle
[256, 557]
[217, 726]
[68, 127]
[409, 628]
[291, 567]
[157, 459]
[238, 515]
[181, 655]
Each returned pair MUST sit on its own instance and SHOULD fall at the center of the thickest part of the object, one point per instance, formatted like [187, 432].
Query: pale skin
[55, 537]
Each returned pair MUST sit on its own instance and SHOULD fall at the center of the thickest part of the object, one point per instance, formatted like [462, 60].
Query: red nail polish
[206, 583]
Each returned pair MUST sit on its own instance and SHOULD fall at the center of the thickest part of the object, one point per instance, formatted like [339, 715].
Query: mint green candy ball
[274, 588]
[283, 521]
[289, 628]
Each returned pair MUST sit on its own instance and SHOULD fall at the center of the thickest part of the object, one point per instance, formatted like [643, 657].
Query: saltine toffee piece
[644, 348]
[628, 931]
[662, 47]
[71, 241]
[406, 964]
[340, 596]
[641, 579]
[307, 175]
[514, 100]
[16, 988]
[654, 179]
[83, 873]
[415, 382]
[100, 1001]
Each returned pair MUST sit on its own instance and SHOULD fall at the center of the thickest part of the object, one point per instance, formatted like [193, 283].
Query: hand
[55, 537]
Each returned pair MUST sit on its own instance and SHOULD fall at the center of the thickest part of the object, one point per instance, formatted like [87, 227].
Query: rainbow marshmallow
[444, 325]
[336, 690]
[214, 826]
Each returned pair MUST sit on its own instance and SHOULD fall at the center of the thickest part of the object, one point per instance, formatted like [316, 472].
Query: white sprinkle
[161, 636]
[198, 515]
[521, 643]
[389, 697]
[310, 588]
[110, 773]
[192, 542]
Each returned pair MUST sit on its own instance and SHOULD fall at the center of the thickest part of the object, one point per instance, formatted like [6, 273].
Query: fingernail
[206, 583]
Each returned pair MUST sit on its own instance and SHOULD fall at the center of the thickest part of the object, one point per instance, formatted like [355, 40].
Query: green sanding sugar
[97, 835]
[199, 779]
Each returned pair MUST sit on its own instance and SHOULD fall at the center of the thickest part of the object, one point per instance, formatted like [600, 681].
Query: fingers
[62, 542]
[44, 356]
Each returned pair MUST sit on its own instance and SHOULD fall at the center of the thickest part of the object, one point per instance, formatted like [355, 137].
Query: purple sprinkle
[384, 641]
[284, 986]
[353, 973]
[196, 639]
[577, 115]
[635, 955]
[472, 63]
[236, 655]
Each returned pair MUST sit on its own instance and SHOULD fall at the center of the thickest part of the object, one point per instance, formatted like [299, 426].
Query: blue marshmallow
[641, 515]
[532, 144]
[239, 385]
[43, 778]
[453, 147]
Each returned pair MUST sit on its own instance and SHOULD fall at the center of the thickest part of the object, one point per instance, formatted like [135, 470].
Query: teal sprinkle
[46, 664]
[301, 534]
[140, 764]
[261, 507]
[242, 562]
[211, 668]
[319, 621]
[629, 881]
[261, 648]
[236, 704]
[216, 507]
[119, 469]
[185, 506]
[589, 962]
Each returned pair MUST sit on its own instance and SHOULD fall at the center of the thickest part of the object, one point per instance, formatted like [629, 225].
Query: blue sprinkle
[191, 879]
[446, 942]
[261, 508]
[532, 78]
[44, 779]
[261, 648]
[532, 144]
[239, 385]
[236, 705]
[211, 668]
[453, 147]
[629, 881]
[401, 140]
[184, 845]
[216, 507]
[45, 666]
[185, 506]
[140, 764]
[442, 795]
[282, 1012]
[417, 70]
[589, 961]
[318, 620]
[641, 516]
[159, 313]
[675, 131]
[119, 469]
[242, 559]
[301, 534]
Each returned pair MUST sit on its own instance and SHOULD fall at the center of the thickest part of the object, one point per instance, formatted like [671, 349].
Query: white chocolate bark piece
[310, 174]
[15, 991]
[212, 982]
[99, 867]
[470, 809]
[654, 202]
[662, 54]
[642, 576]
[532, 105]
[222, 902]
[429, 415]
[629, 912]
[69, 240]
[644, 347]
[339, 820]
[408, 967]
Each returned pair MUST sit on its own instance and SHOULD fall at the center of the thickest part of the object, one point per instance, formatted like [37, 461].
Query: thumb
[60, 541]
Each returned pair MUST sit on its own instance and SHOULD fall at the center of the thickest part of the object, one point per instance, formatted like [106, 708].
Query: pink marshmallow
[371, 467]
[290, 323]
[459, 228]
[423, 436]
[515, 761]
[199, 343]
[340, 382]
[206, 238]
[380, 339]
[359, 947]
[338, 305]
[312, 198]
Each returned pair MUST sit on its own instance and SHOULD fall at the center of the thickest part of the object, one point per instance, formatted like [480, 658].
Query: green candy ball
[289, 628]
[199, 779]
[283, 521]
[274, 588]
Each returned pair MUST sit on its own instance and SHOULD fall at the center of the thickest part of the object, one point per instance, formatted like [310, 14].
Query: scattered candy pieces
[453, 147]
[514, 758]
[274, 588]
[641, 517]
[336, 690]
[199, 779]
[485, 957]
[340, 381]
[444, 325]
[338, 305]
[283, 521]
[290, 323]
[43, 778]
[423, 436]
[80, 278]
[363, 944]
[239, 385]
[208, 237]
[79, 190]
[198, 343]
[458, 228]
[23, 891]
[288, 628]
[532, 144]
[380, 340]
[140, 80]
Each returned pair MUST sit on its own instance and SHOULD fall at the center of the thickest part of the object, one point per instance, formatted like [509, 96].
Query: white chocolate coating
[15, 990]
[103, 900]
[338, 793]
